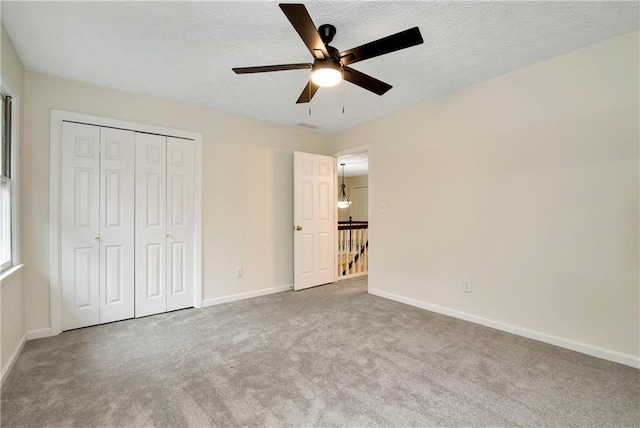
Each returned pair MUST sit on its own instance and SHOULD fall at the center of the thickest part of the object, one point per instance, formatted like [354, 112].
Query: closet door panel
[180, 194]
[117, 224]
[151, 226]
[79, 225]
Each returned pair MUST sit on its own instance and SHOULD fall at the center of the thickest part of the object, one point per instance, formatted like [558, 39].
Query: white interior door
[79, 225]
[116, 224]
[180, 225]
[360, 205]
[151, 225]
[314, 208]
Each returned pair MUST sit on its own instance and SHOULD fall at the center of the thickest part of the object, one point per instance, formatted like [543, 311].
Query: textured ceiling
[355, 164]
[184, 51]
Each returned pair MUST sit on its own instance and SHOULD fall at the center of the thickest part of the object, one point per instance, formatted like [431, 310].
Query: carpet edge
[584, 348]
[247, 295]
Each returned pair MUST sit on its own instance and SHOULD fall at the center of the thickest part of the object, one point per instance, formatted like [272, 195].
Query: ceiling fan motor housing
[327, 32]
[332, 62]
[327, 63]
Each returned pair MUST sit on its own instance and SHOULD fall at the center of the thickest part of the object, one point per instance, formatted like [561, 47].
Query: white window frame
[14, 263]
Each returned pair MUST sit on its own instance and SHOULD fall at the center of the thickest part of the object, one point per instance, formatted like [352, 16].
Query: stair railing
[353, 248]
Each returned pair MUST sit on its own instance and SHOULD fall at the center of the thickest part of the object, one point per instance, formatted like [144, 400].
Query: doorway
[353, 220]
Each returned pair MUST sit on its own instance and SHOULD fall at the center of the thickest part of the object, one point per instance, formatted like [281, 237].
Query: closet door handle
[97, 238]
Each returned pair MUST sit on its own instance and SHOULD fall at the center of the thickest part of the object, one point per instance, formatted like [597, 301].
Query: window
[6, 187]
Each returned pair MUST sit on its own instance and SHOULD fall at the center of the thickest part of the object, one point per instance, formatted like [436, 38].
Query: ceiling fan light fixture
[326, 73]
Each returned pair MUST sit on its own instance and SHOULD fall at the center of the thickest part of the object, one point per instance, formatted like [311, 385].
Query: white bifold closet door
[97, 225]
[164, 224]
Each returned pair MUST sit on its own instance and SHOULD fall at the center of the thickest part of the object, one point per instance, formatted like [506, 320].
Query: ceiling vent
[307, 125]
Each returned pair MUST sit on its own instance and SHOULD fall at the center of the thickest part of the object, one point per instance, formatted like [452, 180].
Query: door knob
[298, 228]
[97, 238]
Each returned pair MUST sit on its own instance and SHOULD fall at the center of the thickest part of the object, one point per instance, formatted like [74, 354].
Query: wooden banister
[353, 248]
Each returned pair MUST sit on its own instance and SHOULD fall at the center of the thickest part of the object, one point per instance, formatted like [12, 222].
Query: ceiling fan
[330, 66]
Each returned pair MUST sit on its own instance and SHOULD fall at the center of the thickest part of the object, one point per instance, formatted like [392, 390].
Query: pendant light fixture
[343, 200]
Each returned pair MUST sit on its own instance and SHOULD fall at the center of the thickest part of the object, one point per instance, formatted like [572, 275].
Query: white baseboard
[247, 295]
[12, 359]
[38, 334]
[585, 348]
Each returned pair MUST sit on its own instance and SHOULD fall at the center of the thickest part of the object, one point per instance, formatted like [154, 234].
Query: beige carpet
[328, 356]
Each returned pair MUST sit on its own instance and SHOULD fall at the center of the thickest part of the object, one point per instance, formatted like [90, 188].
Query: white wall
[12, 315]
[350, 182]
[13, 321]
[247, 186]
[527, 184]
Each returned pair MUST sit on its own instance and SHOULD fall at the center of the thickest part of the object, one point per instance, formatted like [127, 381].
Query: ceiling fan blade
[365, 81]
[308, 92]
[392, 43]
[267, 68]
[301, 21]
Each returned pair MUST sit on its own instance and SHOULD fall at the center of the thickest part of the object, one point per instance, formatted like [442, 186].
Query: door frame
[57, 117]
[357, 149]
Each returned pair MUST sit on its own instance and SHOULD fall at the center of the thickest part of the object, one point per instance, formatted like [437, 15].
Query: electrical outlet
[239, 272]
[466, 286]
